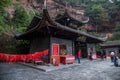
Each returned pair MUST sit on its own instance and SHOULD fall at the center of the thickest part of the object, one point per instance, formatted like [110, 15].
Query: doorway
[63, 49]
[81, 46]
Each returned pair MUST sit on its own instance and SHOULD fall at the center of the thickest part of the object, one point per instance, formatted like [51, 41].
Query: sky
[111, 1]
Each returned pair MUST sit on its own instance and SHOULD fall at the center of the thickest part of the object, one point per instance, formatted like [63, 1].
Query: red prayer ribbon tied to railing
[24, 58]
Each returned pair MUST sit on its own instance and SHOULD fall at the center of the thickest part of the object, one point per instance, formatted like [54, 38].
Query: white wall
[91, 46]
[68, 43]
[111, 49]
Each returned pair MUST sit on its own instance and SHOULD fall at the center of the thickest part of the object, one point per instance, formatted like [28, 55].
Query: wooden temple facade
[59, 35]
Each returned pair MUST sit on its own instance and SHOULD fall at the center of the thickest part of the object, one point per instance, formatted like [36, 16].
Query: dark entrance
[81, 46]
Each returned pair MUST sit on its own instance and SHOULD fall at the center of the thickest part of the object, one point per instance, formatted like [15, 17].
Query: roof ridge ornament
[66, 5]
[45, 4]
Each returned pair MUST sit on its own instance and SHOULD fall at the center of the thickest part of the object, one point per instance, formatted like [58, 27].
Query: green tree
[117, 28]
[4, 27]
[22, 18]
[97, 14]
[116, 34]
[20, 21]
[5, 3]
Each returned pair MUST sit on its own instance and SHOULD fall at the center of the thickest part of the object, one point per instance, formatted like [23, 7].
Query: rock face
[55, 8]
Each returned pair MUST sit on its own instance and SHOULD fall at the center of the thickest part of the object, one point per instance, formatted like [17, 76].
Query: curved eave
[81, 21]
[28, 31]
[58, 25]
[110, 44]
[77, 31]
[44, 17]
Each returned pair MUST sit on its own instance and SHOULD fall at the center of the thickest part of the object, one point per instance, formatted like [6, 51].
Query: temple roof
[111, 43]
[55, 7]
[40, 22]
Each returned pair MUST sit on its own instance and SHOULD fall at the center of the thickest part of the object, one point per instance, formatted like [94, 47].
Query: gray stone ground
[89, 70]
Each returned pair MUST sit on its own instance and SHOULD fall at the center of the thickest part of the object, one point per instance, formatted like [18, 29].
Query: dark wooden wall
[39, 44]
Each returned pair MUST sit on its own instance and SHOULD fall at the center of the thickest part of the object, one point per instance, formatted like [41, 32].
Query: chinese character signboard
[82, 38]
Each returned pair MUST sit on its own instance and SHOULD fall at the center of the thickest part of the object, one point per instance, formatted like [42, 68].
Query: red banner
[26, 57]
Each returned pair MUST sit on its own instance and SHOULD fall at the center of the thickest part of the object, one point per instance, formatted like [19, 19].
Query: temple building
[111, 46]
[60, 35]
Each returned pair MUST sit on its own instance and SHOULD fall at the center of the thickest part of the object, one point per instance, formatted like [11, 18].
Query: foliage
[97, 13]
[117, 6]
[7, 43]
[117, 28]
[116, 34]
[22, 47]
[11, 45]
[98, 10]
[1, 22]
[72, 2]
[98, 47]
[4, 27]
[5, 3]
[22, 18]
[20, 21]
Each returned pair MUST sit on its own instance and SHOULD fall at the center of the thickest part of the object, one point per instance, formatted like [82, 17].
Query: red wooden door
[55, 49]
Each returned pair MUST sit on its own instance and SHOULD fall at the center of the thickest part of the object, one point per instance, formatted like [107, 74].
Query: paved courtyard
[88, 70]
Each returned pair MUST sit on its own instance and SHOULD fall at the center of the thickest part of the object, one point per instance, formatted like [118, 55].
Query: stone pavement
[88, 70]
[50, 67]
